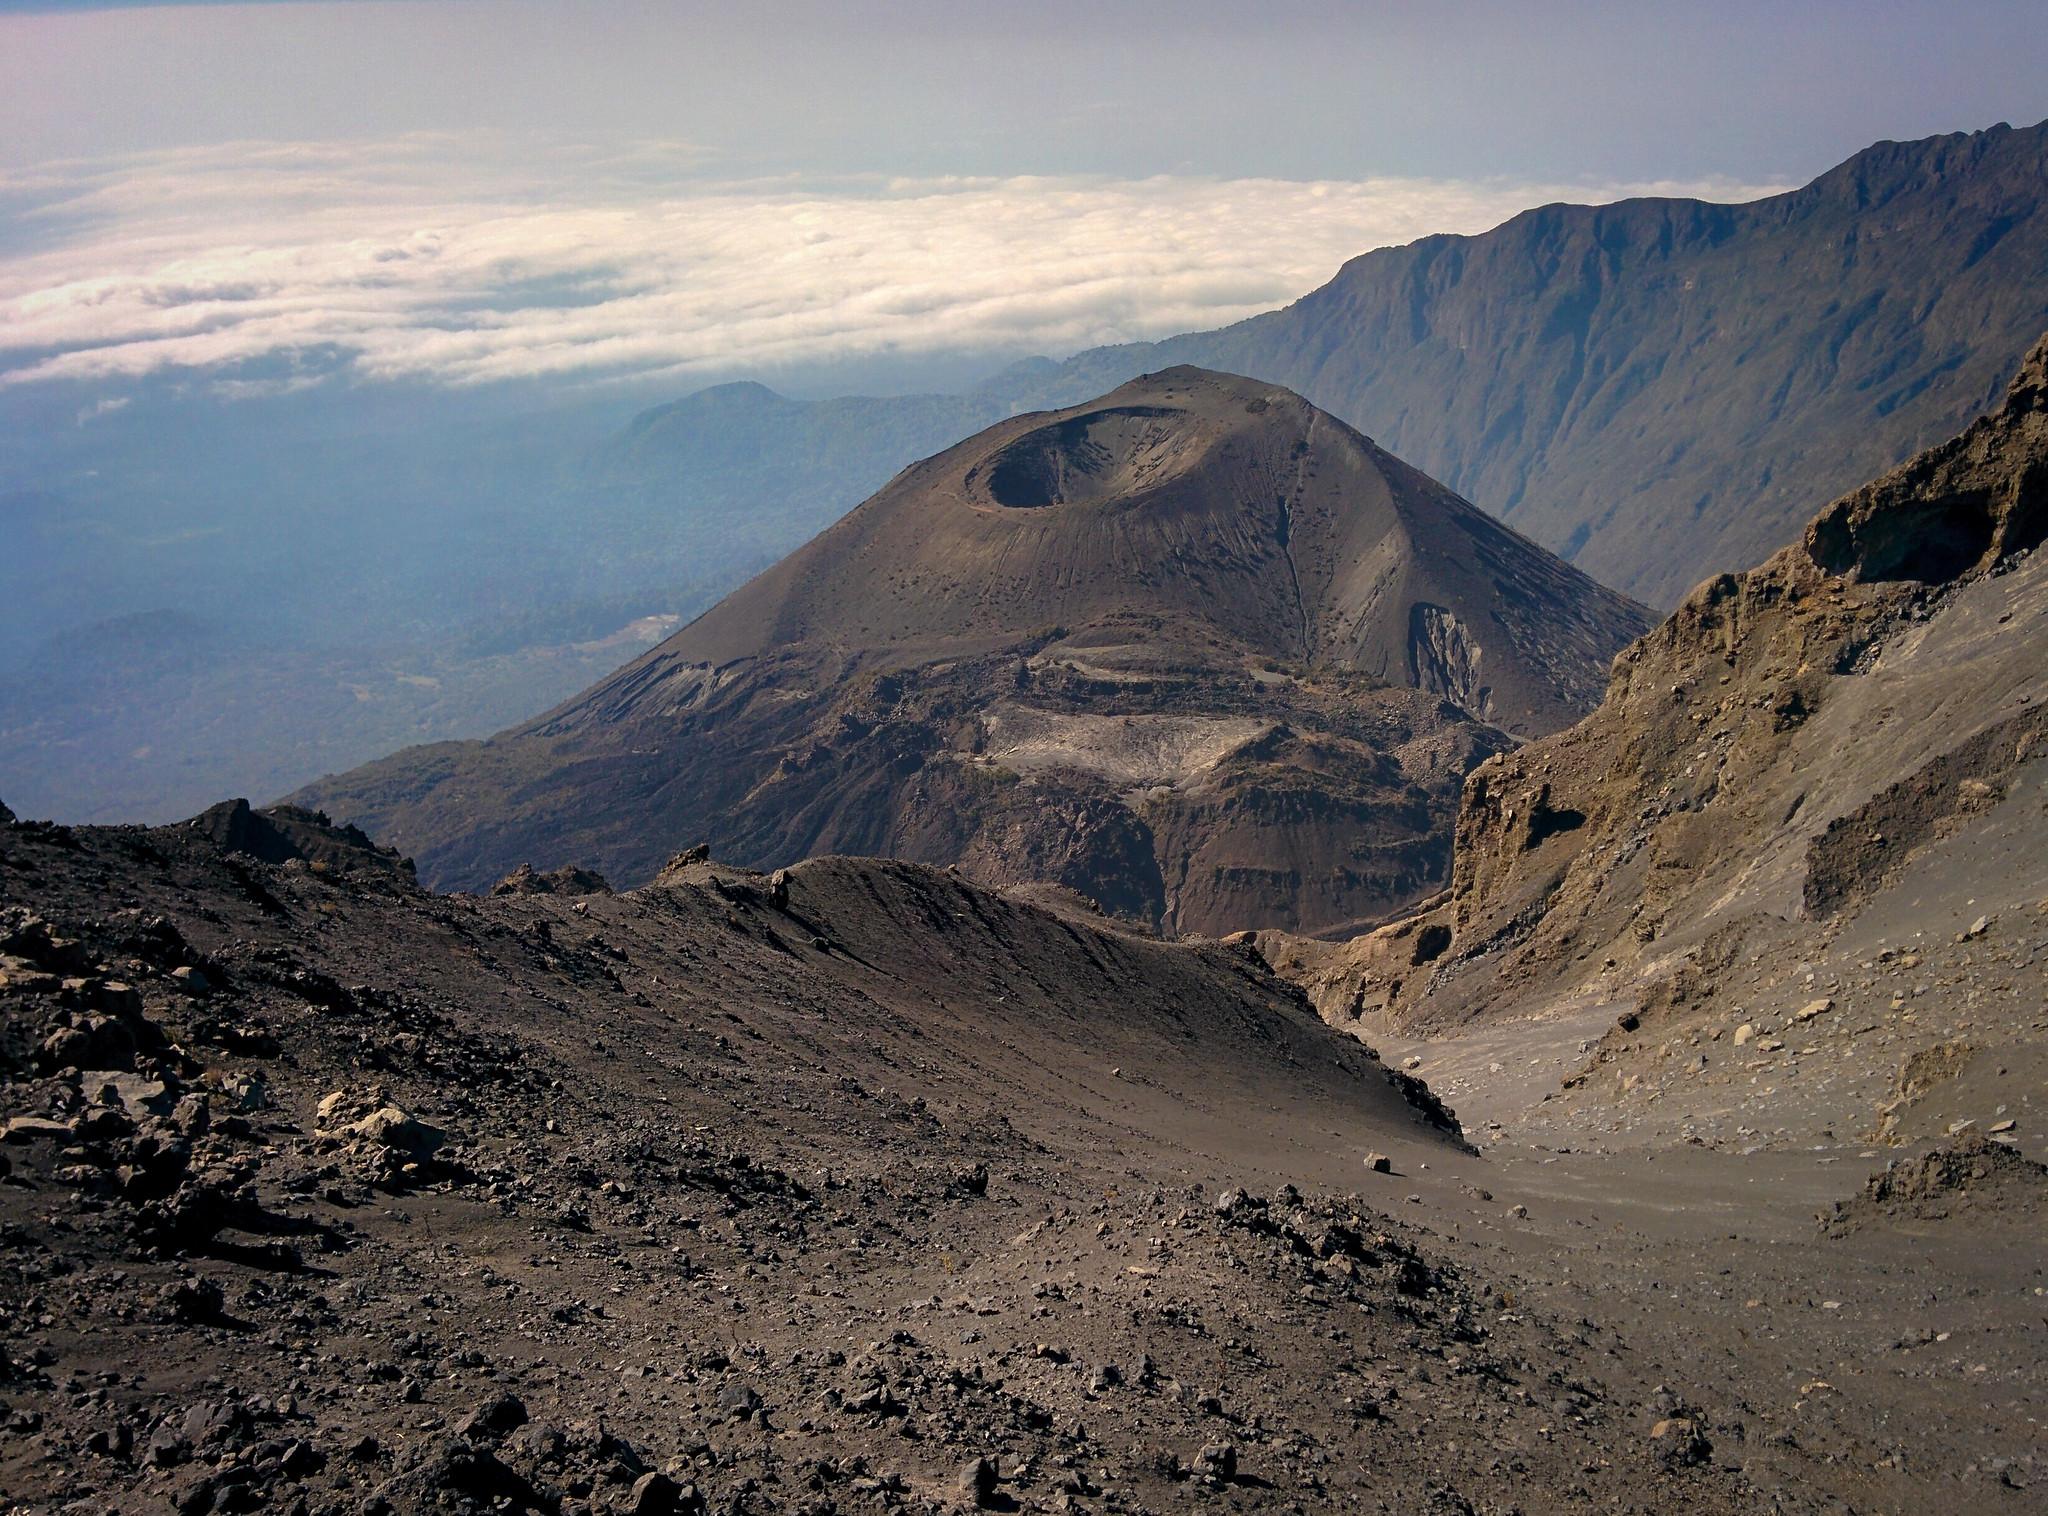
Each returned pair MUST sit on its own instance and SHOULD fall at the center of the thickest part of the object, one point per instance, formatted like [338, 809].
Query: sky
[249, 197]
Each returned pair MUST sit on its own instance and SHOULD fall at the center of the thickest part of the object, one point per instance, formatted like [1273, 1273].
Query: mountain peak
[1885, 170]
[1138, 441]
[1192, 649]
[740, 394]
[1242, 521]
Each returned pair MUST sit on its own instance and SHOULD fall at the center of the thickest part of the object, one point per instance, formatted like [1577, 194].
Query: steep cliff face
[1195, 650]
[1662, 389]
[1657, 389]
[1788, 740]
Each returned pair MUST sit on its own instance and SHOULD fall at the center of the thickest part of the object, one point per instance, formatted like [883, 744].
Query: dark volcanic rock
[567, 880]
[494, 1420]
[286, 832]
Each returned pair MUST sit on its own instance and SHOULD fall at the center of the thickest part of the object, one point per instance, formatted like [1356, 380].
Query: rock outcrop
[1782, 745]
[289, 833]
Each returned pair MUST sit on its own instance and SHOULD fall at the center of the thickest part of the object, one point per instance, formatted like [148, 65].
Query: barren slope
[869, 1190]
[1803, 834]
[1194, 649]
[805, 1194]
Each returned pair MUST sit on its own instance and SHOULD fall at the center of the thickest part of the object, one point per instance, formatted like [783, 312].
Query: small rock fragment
[1217, 1460]
[1678, 1442]
[35, 1129]
[496, 1418]
[978, 1482]
[654, 1494]
[739, 1402]
[193, 1300]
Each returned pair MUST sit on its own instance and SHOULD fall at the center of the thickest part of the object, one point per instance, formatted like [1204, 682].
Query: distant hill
[1196, 650]
[772, 469]
[1656, 389]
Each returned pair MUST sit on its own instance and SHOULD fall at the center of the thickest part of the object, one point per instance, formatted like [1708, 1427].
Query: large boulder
[369, 1123]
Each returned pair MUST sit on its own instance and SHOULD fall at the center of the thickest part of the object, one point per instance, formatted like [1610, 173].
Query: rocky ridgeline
[326, 1194]
[1790, 743]
[1600, 839]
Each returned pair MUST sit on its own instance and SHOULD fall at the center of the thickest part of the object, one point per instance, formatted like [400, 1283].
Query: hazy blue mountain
[200, 597]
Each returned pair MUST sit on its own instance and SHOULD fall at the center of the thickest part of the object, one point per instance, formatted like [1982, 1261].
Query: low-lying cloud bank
[467, 260]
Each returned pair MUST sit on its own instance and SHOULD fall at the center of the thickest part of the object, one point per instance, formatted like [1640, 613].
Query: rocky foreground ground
[861, 1188]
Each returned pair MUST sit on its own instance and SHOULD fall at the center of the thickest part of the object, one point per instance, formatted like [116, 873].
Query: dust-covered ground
[866, 1189]
[1807, 1163]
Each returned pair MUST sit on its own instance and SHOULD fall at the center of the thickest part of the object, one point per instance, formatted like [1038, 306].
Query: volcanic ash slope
[1195, 650]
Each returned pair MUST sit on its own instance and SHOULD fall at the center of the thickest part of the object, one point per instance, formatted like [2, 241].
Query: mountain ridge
[1658, 388]
[1814, 777]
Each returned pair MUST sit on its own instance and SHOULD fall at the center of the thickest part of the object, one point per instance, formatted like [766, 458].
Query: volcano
[1195, 650]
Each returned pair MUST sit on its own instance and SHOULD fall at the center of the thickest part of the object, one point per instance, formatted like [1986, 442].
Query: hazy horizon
[251, 197]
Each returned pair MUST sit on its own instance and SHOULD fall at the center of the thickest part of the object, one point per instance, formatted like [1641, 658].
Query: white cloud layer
[465, 260]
